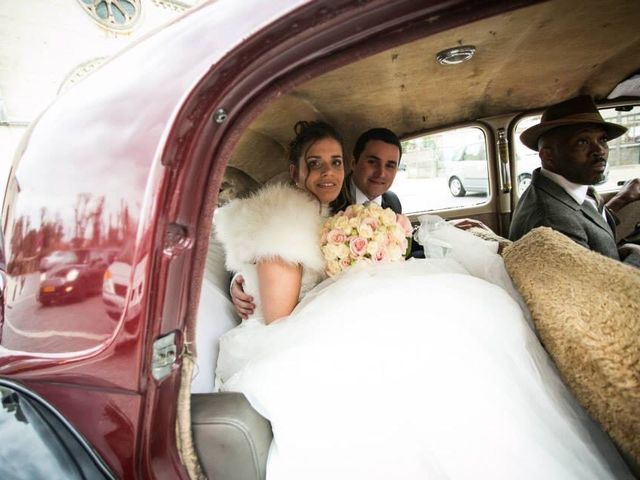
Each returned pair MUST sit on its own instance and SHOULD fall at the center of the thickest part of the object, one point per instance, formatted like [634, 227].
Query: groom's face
[375, 169]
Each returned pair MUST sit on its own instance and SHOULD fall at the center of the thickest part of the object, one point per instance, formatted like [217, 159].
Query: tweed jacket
[547, 204]
[389, 199]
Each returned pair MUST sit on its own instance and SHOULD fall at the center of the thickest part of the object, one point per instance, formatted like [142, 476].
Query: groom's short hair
[383, 134]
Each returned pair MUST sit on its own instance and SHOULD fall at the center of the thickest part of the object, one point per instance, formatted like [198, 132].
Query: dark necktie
[591, 192]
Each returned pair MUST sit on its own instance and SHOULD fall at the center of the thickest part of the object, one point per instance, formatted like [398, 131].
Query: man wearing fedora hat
[571, 140]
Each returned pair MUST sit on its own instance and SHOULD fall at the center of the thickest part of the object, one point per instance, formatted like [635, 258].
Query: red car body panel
[140, 134]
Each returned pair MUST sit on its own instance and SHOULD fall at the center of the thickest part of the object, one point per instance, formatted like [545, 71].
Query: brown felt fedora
[575, 111]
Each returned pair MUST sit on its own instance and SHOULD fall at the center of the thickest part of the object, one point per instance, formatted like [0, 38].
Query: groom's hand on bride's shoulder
[242, 302]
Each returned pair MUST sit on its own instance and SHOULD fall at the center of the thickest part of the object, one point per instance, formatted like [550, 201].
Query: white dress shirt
[361, 198]
[574, 190]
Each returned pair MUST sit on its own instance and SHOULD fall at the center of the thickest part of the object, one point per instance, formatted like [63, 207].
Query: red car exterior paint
[125, 160]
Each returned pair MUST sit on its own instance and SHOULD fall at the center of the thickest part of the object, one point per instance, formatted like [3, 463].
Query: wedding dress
[425, 369]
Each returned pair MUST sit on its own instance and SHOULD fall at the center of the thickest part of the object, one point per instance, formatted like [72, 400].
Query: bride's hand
[242, 302]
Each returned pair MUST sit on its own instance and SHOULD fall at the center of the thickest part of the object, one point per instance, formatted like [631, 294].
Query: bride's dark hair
[308, 133]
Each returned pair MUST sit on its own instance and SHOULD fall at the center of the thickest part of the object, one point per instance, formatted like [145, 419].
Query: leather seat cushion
[232, 439]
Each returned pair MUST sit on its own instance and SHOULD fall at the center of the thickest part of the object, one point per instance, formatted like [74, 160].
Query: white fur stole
[276, 221]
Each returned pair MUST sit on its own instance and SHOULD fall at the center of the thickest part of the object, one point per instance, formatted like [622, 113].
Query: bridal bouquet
[364, 234]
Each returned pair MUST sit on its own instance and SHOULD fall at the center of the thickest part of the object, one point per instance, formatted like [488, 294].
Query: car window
[443, 170]
[624, 151]
[526, 160]
[36, 444]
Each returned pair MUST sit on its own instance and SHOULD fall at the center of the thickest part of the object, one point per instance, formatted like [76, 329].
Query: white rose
[388, 217]
[365, 230]
[354, 210]
[342, 223]
[373, 247]
[330, 251]
[398, 234]
[394, 253]
[333, 268]
[342, 251]
[354, 222]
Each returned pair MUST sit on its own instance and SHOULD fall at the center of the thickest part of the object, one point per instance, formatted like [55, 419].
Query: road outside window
[624, 151]
[443, 170]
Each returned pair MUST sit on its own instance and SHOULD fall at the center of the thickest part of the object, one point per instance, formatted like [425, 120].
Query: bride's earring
[296, 183]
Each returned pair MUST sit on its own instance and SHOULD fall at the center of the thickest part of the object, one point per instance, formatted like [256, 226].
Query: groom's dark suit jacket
[547, 204]
[389, 199]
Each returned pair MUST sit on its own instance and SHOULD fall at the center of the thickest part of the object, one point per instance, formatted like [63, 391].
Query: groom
[376, 158]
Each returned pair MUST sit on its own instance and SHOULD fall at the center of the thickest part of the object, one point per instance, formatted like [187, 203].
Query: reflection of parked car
[115, 286]
[73, 275]
[56, 258]
[469, 174]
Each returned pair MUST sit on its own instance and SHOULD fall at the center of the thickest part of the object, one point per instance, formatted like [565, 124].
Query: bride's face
[321, 171]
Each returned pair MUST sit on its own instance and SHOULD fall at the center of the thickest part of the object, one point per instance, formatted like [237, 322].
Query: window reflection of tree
[29, 245]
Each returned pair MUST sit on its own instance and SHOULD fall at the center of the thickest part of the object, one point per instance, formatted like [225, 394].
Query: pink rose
[336, 236]
[379, 255]
[405, 224]
[345, 262]
[358, 246]
[372, 222]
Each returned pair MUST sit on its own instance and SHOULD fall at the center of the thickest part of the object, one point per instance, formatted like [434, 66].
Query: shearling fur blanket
[586, 308]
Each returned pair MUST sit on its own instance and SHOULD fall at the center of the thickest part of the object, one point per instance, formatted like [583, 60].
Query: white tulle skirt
[413, 371]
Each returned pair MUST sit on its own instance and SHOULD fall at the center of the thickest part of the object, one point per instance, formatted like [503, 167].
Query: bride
[419, 369]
